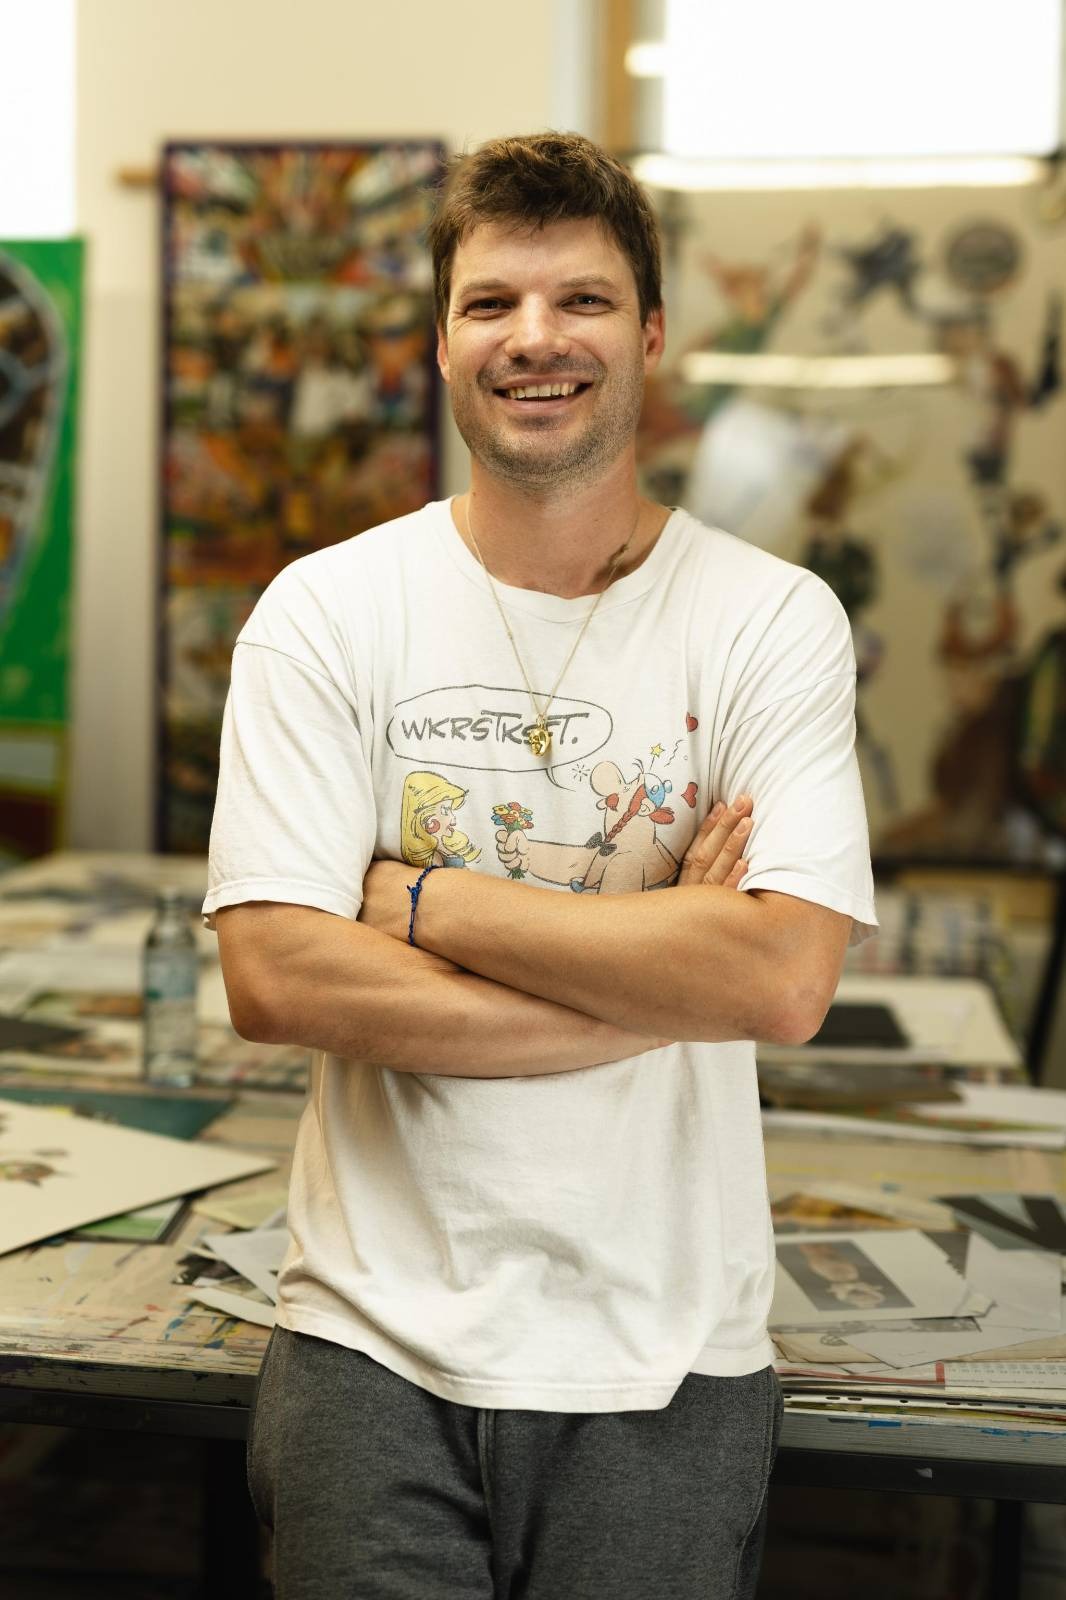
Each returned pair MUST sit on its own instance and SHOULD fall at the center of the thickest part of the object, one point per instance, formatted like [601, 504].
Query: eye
[483, 305]
[596, 299]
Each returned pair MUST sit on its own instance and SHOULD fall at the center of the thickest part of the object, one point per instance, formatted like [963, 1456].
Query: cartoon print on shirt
[623, 856]
[428, 835]
[511, 818]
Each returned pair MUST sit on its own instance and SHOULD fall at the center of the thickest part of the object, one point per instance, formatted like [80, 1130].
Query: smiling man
[521, 1334]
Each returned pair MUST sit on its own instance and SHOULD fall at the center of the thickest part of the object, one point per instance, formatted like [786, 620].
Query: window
[845, 79]
[37, 120]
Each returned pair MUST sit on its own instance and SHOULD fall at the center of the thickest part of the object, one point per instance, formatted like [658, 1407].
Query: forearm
[688, 963]
[349, 990]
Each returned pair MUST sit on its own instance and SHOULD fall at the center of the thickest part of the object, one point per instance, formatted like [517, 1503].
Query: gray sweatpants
[378, 1490]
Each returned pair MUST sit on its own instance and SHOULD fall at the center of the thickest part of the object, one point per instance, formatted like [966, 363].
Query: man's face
[557, 305]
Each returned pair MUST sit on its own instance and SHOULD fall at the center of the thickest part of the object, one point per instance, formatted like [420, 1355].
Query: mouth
[541, 397]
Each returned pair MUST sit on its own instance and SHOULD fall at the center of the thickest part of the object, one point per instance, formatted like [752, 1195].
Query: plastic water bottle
[171, 975]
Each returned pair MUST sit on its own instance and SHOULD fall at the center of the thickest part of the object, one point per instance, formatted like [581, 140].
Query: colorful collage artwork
[300, 399]
[40, 332]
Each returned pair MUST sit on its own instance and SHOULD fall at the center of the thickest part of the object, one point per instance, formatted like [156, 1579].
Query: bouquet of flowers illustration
[512, 817]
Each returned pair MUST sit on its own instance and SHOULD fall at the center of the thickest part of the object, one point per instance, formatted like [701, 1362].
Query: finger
[708, 851]
[729, 854]
[716, 828]
[705, 846]
[734, 878]
[704, 849]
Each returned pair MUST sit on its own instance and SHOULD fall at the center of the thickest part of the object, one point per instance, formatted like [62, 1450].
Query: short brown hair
[540, 178]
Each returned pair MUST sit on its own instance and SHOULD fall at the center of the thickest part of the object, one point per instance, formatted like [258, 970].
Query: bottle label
[170, 1025]
[167, 979]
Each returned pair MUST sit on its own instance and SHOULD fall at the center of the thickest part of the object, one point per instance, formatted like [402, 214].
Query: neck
[559, 541]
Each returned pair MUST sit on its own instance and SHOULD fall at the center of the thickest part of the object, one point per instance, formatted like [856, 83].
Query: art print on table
[59, 1172]
[877, 1275]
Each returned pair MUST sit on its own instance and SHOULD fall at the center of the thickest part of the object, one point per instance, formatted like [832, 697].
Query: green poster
[40, 334]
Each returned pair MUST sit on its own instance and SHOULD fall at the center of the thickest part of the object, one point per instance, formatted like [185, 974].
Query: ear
[442, 353]
[654, 338]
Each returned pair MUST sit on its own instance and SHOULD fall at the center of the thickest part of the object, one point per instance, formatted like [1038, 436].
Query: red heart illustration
[691, 722]
[689, 795]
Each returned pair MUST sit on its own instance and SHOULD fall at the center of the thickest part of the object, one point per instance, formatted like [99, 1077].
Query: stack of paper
[248, 1260]
[924, 1317]
[969, 1113]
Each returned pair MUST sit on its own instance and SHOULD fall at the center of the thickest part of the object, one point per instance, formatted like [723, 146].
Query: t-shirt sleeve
[294, 817]
[790, 744]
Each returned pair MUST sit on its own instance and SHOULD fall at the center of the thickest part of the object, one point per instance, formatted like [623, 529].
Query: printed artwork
[878, 1275]
[68, 1171]
[300, 399]
[621, 850]
[40, 334]
[934, 511]
[838, 1275]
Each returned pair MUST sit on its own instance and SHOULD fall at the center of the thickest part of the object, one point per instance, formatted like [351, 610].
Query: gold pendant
[539, 739]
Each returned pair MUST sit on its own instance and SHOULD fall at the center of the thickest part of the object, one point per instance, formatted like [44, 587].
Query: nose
[535, 330]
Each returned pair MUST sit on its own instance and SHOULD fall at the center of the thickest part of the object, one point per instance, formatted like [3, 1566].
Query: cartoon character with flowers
[625, 855]
[512, 818]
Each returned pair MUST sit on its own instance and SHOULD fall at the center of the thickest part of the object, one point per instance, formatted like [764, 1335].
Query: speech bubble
[483, 728]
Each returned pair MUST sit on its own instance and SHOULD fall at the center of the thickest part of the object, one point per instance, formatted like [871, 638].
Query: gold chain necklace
[539, 736]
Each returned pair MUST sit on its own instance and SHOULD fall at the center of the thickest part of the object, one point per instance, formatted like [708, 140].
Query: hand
[714, 856]
[513, 851]
[386, 904]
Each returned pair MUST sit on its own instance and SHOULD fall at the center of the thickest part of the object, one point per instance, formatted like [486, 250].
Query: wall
[238, 69]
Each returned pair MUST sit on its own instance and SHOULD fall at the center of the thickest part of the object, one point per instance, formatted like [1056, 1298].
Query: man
[521, 1342]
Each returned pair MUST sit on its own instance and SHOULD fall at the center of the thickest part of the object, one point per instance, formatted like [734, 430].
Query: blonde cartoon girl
[428, 835]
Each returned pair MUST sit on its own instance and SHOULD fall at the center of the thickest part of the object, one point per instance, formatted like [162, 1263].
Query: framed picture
[300, 401]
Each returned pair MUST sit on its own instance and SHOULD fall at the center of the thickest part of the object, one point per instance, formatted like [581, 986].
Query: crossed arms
[511, 980]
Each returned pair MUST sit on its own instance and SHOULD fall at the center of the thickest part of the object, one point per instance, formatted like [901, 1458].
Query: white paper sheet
[916, 1349]
[63, 1171]
[814, 1122]
[234, 1305]
[946, 1019]
[1025, 1285]
[1001, 1103]
[872, 1276]
[256, 1254]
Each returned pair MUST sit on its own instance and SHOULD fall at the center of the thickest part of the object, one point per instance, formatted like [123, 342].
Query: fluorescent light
[772, 79]
[818, 372]
[646, 60]
[37, 122]
[662, 171]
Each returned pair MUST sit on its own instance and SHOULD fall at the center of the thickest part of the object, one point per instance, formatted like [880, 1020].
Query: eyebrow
[586, 280]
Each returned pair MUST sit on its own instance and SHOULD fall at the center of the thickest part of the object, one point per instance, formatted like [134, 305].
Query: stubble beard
[538, 463]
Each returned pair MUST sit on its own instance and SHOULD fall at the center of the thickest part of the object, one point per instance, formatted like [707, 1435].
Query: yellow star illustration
[657, 749]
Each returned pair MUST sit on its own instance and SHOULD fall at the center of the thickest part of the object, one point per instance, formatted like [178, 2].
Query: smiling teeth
[543, 391]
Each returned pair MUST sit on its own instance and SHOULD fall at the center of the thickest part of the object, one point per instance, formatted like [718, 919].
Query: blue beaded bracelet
[414, 891]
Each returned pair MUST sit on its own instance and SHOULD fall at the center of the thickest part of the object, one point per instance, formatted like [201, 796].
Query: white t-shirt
[578, 1241]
